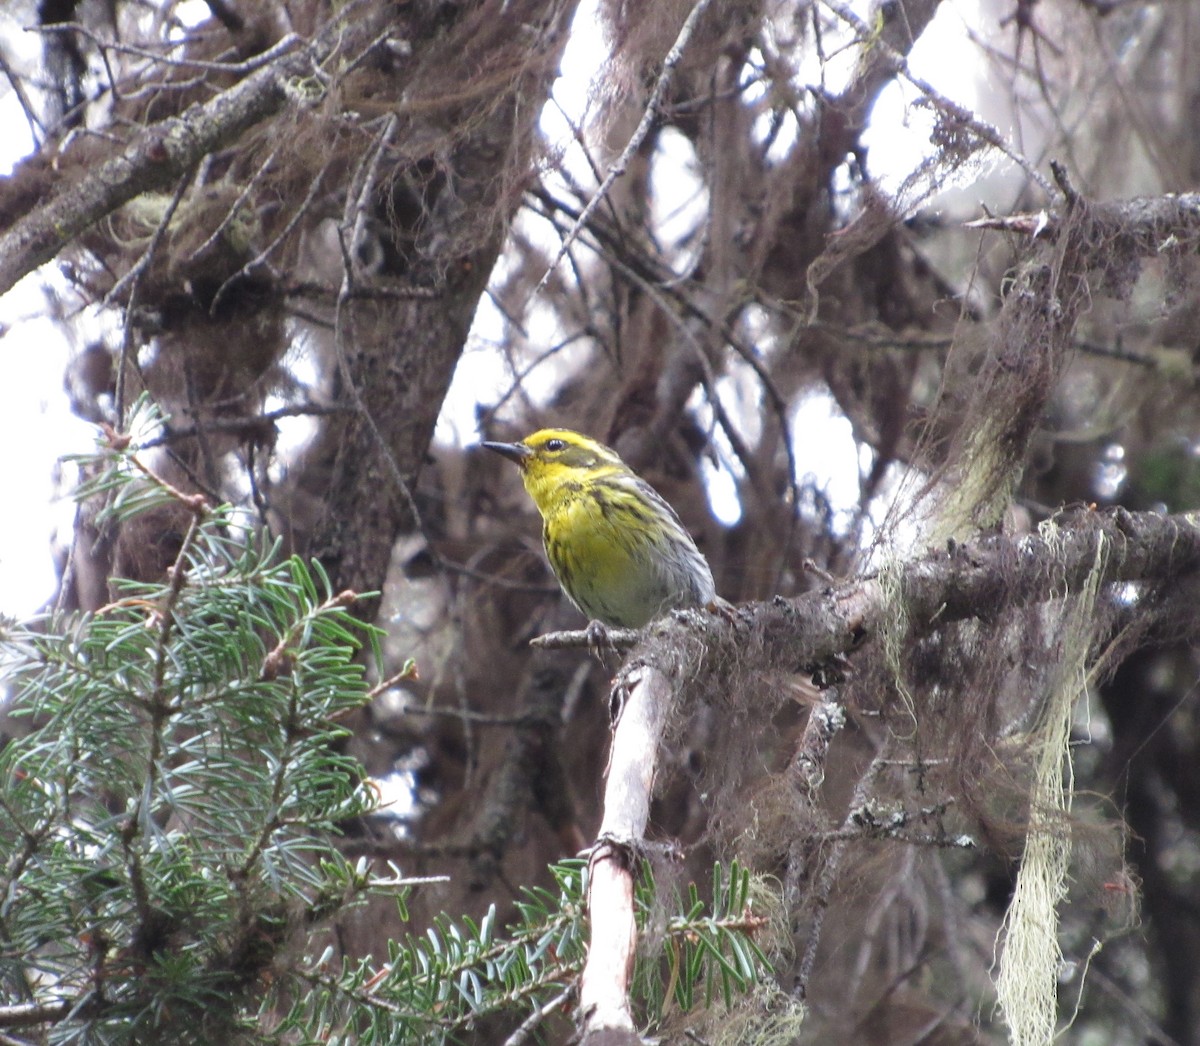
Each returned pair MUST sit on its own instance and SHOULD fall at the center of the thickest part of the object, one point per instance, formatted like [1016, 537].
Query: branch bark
[976, 579]
[1147, 224]
[604, 987]
[159, 154]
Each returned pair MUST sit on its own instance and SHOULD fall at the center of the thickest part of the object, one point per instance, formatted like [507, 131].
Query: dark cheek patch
[577, 458]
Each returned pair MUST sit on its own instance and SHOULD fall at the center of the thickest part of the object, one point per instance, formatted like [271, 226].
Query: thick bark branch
[159, 155]
[979, 579]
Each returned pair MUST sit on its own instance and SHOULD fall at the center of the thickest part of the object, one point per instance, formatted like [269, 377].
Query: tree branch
[27, 1013]
[1148, 225]
[160, 154]
[978, 579]
[604, 985]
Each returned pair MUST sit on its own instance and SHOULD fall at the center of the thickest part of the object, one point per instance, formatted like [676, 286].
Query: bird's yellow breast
[605, 566]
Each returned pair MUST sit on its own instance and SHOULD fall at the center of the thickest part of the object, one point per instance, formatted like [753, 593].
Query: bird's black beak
[517, 452]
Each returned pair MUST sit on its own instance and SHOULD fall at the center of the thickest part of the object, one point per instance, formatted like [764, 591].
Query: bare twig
[27, 1013]
[313, 189]
[236, 206]
[825, 721]
[465, 715]
[324, 292]
[245, 425]
[1031, 225]
[960, 115]
[863, 791]
[520, 376]
[36, 130]
[649, 115]
[530, 1023]
[286, 44]
[581, 639]
[360, 204]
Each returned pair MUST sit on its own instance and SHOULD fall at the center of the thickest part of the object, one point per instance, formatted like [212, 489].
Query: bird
[618, 549]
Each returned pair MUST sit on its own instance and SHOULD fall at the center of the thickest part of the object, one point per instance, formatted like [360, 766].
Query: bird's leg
[598, 640]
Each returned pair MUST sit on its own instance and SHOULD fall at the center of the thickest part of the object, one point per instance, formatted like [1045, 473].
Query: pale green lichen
[1031, 961]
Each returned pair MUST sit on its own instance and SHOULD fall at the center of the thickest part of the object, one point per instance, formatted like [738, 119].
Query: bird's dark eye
[556, 444]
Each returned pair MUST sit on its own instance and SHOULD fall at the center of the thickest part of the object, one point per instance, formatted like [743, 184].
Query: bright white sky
[37, 428]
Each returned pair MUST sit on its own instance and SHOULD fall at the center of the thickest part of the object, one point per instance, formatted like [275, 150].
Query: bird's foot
[598, 640]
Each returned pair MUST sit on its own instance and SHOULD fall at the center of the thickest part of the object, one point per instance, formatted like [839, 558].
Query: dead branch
[886, 60]
[649, 115]
[604, 986]
[1150, 225]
